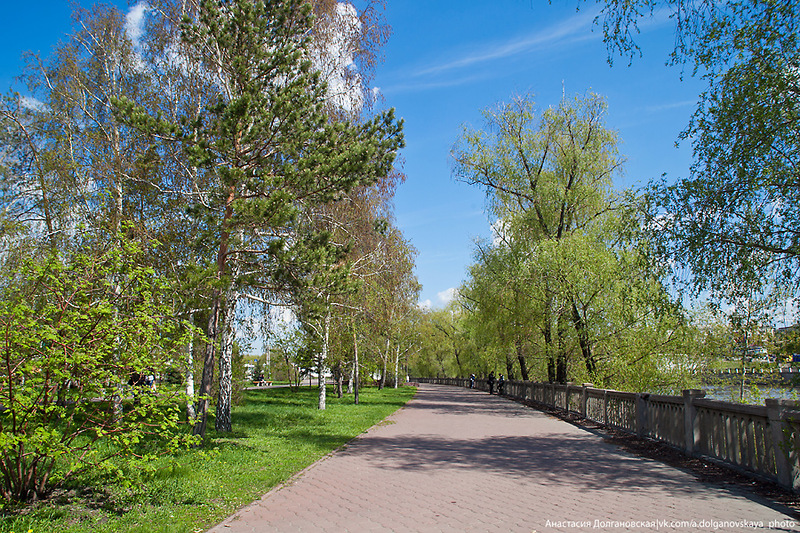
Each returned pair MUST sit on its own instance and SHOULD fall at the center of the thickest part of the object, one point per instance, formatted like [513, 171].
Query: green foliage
[442, 342]
[278, 433]
[568, 288]
[269, 150]
[266, 141]
[72, 335]
[734, 220]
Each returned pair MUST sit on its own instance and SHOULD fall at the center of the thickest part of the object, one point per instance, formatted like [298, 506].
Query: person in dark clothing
[501, 385]
[490, 382]
[472, 381]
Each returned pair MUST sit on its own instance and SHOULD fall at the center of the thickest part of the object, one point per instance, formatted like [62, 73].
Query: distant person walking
[490, 382]
[472, 381]
[501, 385]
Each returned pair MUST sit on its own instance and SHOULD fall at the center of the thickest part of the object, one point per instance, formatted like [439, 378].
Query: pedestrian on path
[490, 381]
[501, 385]
[472, 381]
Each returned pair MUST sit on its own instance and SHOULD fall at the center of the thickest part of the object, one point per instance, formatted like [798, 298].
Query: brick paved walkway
[461, 460]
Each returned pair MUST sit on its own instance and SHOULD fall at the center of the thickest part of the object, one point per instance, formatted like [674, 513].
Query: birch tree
[268, 148]
[734, 217]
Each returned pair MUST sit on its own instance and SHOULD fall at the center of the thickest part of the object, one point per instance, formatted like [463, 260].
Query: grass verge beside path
[276, 433]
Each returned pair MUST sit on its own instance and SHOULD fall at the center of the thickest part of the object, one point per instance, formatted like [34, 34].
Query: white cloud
[499, 232]
[425, 305]
[447, 296]
[134, 22]
[134, 28]
[32, 103]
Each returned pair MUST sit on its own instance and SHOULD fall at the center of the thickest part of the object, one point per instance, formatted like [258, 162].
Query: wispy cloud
[670, 106]
[574, 29]
[418, 84]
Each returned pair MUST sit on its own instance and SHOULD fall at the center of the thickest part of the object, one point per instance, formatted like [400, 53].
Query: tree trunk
[458, 359]
[509, 367]
[561, 362]
[208, 364]
[523, 366]
[212, 331]
[322, 360]
[190, 412]
[548, 340]
[382, 380]
[355, 366]
[223, 421]
[583, 339]
[350, 379]
[339, 378]
[397, 366]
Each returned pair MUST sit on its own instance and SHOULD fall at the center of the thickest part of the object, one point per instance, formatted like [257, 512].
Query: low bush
[71, 335]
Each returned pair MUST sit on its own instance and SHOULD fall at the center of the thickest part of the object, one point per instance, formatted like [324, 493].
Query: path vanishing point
[457, 460]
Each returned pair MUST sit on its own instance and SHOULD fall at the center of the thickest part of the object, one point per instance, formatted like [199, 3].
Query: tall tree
[545, 182]
[376, 251]
[568, 272]
[268, 148]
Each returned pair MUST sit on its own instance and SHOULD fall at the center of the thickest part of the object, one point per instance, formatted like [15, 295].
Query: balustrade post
[781, 414]
[641, 414]
[691, 427]
[585, 398]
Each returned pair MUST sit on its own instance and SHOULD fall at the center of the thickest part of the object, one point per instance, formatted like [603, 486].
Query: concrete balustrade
[757, 440]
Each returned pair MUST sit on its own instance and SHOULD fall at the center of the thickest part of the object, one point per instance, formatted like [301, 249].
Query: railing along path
[757, 440]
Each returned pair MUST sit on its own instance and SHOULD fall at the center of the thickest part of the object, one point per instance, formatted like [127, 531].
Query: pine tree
[270, 151]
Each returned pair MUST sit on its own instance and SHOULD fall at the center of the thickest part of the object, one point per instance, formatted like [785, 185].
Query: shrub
[71, 337]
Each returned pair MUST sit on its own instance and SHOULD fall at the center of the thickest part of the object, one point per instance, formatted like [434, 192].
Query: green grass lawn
[277, 432]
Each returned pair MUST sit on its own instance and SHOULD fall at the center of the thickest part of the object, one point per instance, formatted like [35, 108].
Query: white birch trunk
[223, 420]
[385, 361]
[190, 411]
[397, 366]
[322, 361]
[355, 367]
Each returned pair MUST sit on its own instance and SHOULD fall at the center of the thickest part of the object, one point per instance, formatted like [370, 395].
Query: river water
[753, 394]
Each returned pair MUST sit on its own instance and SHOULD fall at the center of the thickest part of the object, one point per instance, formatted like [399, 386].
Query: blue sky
[446, 61]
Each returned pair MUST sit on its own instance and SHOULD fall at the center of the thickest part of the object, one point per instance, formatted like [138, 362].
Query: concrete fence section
[761, 441]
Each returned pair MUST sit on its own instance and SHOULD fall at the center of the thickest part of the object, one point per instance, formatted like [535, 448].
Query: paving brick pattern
[459, 460]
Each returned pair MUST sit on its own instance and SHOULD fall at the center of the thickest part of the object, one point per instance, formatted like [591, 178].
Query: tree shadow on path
[578, 458]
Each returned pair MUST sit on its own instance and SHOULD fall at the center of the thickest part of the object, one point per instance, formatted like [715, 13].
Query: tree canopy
[567, 288]
[734, 219]
[151, 182]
